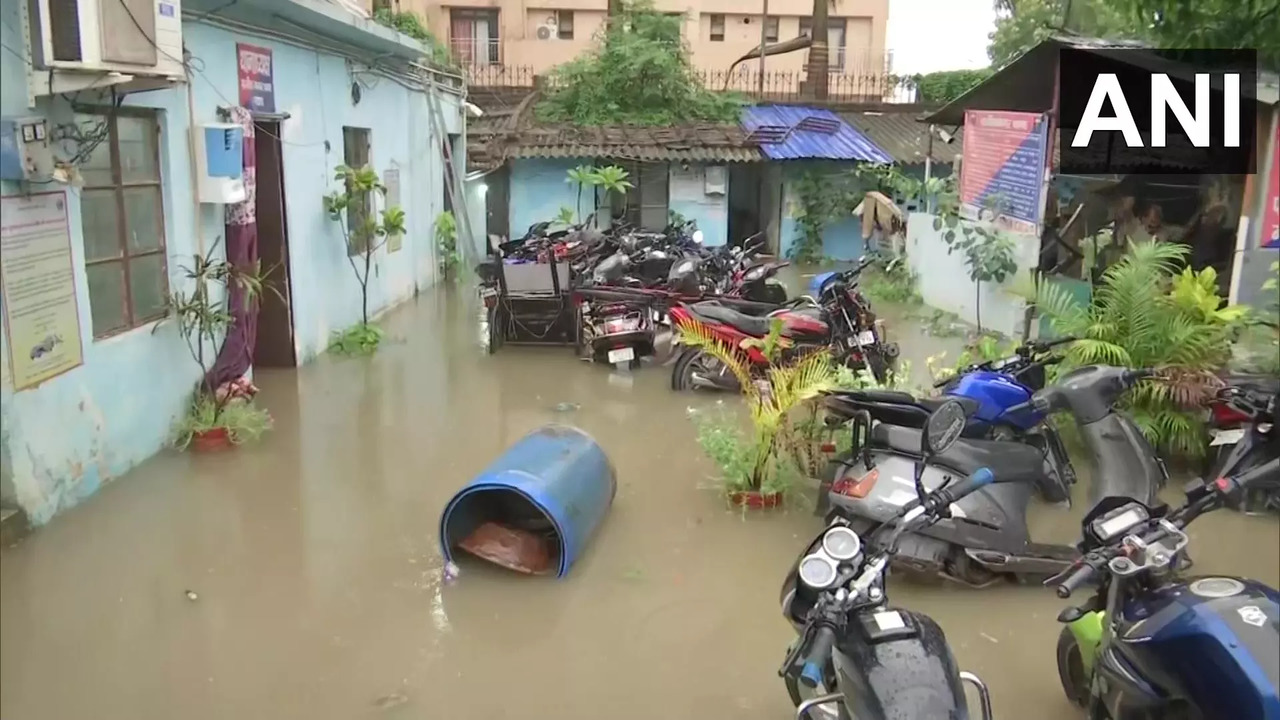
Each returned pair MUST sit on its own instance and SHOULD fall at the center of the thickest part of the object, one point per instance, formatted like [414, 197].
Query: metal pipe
[984, 695]
[802, 710]
[764, 32]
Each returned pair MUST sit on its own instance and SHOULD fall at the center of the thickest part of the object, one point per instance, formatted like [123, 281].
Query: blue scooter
[1149, 644]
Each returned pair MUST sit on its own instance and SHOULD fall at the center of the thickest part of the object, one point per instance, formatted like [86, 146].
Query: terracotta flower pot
[213, 440]
[755, 499]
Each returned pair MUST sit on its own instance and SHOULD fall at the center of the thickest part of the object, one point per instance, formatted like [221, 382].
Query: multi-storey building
[540, 34]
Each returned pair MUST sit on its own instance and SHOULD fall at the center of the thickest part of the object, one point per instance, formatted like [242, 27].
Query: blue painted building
[733, 182]
[335, 88]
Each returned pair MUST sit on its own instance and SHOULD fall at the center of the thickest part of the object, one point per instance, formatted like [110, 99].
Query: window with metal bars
[647, 200]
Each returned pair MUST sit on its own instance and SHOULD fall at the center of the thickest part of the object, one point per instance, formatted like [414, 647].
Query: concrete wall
[841, 239]
[539, 189]
[687, 195]
[944, 278]
[75, 432]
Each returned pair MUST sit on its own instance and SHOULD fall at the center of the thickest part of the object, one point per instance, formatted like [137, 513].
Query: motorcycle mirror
[697, 236]
[943, 428]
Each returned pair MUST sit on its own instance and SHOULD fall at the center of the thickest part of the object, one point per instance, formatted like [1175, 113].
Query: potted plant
[218, 417]
[758, 465]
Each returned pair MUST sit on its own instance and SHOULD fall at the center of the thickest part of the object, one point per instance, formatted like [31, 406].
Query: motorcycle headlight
[841, 544]
[818, 571]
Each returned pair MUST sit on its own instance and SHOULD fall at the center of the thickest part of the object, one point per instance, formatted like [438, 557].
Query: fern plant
[1147, 313]
[775, 399]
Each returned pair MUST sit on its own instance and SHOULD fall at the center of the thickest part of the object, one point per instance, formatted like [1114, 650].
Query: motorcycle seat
[754, 325]
[1009, 461]
[901, 409]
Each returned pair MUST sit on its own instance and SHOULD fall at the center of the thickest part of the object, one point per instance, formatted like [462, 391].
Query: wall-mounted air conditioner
[92, 43]
[549, 30]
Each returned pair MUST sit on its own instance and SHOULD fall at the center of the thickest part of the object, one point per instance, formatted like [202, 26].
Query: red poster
[257, 79]
[1271, 210]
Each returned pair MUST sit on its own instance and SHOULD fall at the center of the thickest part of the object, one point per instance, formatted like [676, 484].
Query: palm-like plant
[773, 399]
[613, 179]
[1145, 313]
[583, 176]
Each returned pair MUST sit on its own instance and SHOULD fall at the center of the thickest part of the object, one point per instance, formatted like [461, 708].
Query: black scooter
[987, 538]
[857, 656]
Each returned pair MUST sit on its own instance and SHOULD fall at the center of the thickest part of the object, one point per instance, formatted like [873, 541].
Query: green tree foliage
[1146, 313]
[947, 85]
[363, 232]
[1204, 24]
[1022, 24]
[639, 73]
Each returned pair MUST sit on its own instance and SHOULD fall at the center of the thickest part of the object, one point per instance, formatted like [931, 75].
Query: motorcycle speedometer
[817, 572]
[841, 543]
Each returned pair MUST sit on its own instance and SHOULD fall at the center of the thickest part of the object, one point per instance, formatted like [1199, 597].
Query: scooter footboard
[898, 665]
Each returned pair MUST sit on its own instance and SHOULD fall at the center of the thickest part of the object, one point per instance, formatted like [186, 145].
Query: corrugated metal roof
[905, 138]
[796, 132]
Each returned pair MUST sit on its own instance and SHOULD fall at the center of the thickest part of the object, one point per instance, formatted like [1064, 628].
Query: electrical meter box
[220, 163]
[25, 155]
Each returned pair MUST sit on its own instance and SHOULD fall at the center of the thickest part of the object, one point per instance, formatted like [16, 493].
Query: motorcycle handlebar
[824, 638]
[1079, 576]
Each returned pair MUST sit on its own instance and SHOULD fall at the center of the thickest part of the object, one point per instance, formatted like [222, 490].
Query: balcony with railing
[848, 85]
[471, 53]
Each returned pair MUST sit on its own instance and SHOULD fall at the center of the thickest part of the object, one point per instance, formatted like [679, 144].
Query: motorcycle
[615, 324]
[863, 658]
[873, 351]
[807, 325]
[987, 538]
[1150, 644]
[989, 390]
[1242, 422]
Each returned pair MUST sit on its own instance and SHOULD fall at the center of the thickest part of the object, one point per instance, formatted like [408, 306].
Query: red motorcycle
[838, 322]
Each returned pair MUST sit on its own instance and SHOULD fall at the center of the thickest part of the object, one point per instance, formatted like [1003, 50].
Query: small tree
[362, 231]
[583, 176]
[614, 180]
[447, 244]
[988, 253]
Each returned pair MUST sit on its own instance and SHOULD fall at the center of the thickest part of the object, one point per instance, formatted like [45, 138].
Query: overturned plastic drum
[536, 507]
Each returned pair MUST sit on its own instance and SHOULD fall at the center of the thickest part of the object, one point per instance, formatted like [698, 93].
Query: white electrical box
[220, 163]
[25, 154]
[716, 180]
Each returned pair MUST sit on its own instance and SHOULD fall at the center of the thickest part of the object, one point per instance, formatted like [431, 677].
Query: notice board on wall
[37, 282]
[257, 78]
[391, 180]
[1002, 175]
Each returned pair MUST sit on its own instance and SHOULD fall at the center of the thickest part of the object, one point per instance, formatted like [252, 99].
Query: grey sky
[930, 35]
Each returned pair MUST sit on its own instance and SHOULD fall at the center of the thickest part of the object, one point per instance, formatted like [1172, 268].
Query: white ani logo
[1163, 95]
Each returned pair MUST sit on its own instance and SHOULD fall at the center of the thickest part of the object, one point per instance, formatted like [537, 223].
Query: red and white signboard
[1271, 210]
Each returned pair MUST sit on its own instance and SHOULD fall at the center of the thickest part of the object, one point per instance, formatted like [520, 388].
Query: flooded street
[301, 577]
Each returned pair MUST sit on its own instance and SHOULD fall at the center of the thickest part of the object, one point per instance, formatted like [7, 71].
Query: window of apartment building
[646, 201]
[835, 40]
[771, 29]
[379, 5]
[355, 154]
[122, 215]
[473, 36]
[717, 28]
[564, 24]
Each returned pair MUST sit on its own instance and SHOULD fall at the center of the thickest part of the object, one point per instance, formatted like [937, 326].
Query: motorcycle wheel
[690, 362]
[800, 693]
[1071, 673]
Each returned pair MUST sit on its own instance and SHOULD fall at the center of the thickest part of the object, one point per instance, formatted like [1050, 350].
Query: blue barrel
[555, 477]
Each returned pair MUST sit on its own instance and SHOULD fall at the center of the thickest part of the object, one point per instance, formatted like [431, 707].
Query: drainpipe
[928, 169]
[192, 129]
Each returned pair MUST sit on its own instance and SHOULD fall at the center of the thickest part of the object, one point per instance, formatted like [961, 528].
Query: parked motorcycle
[831, 322]
[856, 656]
[987, 538]
[1242, 422]
[989, 390]
[1149, 644]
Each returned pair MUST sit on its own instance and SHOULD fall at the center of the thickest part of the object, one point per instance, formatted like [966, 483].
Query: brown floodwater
[316, 577]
